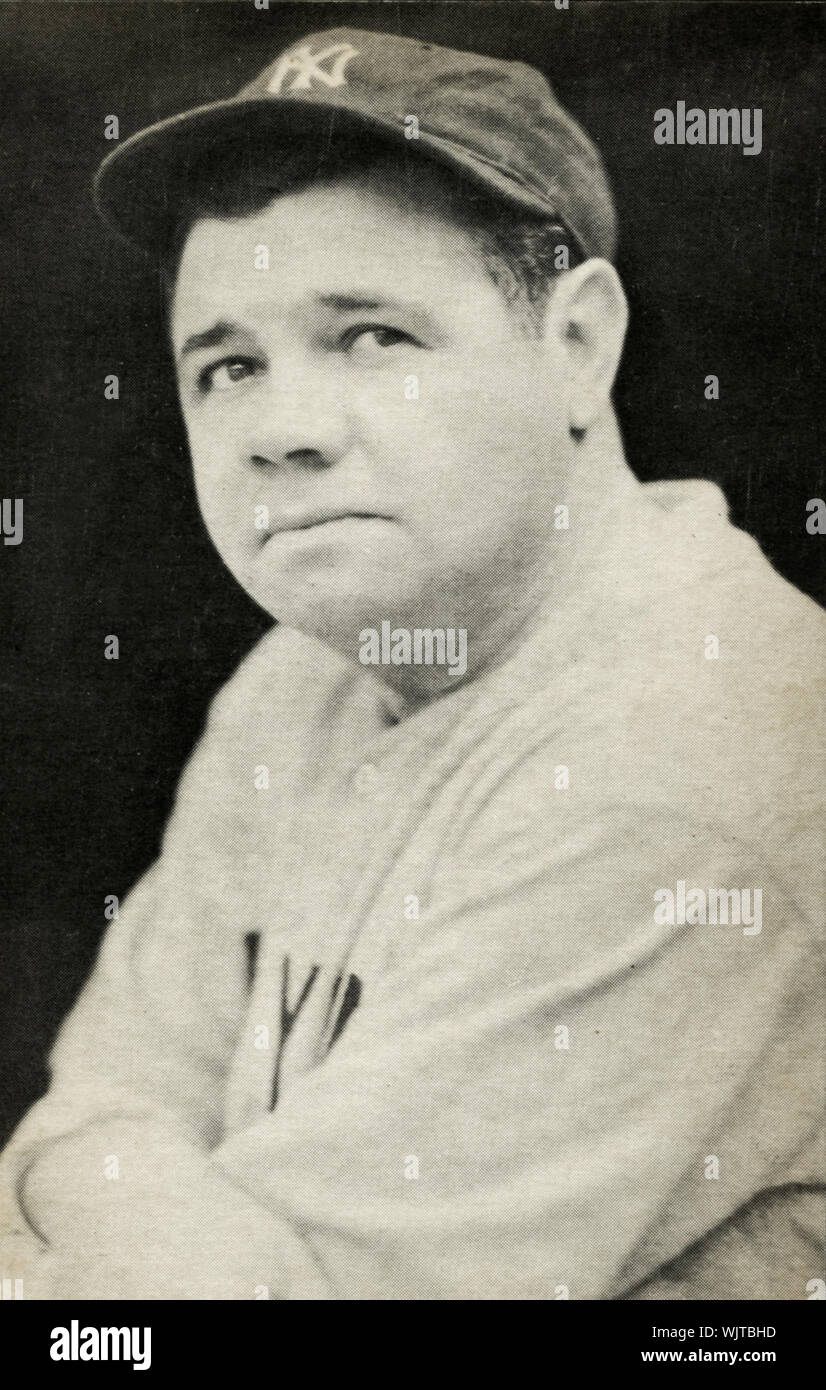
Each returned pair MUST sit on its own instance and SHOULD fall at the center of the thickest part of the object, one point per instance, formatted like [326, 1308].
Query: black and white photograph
[413, 658]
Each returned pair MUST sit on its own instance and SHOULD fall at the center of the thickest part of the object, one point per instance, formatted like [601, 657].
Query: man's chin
[334, 608]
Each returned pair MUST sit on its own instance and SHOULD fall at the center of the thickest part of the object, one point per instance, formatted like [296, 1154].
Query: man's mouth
[311, 518]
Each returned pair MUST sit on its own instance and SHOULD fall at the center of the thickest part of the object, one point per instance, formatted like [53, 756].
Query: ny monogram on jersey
[295, 993]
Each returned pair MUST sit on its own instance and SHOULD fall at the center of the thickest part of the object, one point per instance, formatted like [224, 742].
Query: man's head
[392, 352]
[405, 357]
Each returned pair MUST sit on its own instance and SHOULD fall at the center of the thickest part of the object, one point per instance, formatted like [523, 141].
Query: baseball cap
[497, 123]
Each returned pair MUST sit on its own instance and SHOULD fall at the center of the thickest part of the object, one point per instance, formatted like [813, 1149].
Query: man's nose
[298, 421]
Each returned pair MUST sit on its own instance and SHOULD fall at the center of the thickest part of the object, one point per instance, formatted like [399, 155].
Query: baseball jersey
[440, 991]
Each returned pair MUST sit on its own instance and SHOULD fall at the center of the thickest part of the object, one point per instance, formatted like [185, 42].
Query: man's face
[374, 435]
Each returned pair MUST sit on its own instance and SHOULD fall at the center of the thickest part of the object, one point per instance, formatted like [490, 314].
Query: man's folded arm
[152, 1031]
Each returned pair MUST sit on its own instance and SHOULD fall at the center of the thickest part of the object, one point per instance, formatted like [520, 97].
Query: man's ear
[588, 314]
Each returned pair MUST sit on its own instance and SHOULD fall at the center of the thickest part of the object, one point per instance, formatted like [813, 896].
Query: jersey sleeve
[153, 1028]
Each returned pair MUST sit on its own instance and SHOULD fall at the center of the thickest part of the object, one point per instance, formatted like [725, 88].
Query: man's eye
[222, 376]
[370, 341]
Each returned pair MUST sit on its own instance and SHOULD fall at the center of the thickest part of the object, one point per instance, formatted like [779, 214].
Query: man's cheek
[400, 415]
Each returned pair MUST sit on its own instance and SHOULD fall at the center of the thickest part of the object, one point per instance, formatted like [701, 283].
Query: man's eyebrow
[357, 303]
[219, 333]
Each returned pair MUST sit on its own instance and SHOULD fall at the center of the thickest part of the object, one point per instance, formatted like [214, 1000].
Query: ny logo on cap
[307, 65]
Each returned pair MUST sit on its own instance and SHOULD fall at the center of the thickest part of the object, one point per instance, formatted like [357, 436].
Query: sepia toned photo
[413, 522]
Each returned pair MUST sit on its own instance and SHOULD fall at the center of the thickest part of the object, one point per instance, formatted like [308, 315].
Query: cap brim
[140, 186]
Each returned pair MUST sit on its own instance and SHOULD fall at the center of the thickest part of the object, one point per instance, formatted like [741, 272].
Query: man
[482, 979]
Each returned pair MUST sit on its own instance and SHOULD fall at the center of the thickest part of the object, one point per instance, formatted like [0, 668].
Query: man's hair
[521, 252]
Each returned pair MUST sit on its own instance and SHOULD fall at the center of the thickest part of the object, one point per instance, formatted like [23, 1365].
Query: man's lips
[308, 518]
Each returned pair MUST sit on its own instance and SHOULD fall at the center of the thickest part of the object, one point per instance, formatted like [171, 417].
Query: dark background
[722, 257]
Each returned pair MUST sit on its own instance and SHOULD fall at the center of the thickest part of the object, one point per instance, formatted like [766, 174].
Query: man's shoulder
[727, 668]
[719, 573]
[697, 694]
[285, 666]
[699, 593]
[278, 689]
[712, 650]
[292, 706]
